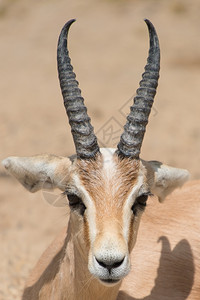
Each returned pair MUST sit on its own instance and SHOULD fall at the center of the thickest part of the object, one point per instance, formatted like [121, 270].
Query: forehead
[108, 177]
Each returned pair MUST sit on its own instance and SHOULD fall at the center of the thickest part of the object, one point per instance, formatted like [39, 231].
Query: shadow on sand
[175, 274]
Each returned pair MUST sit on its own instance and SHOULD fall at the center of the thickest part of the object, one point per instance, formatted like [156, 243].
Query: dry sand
[108, 46]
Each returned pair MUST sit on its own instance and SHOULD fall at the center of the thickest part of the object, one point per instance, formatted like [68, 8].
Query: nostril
[117, 263]
[110, 264]
[101, 263]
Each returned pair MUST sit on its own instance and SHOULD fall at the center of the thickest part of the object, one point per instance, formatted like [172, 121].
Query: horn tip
[70, 22]
[64, 31]
[148, 22]
[151, 27]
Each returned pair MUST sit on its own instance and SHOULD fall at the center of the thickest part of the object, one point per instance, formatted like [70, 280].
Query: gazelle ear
[40, 171]
[166, 179]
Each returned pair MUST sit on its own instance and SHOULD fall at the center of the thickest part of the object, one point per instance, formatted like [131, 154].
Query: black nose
[109, 265]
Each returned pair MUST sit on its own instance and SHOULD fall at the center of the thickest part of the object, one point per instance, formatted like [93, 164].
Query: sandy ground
[108, 46]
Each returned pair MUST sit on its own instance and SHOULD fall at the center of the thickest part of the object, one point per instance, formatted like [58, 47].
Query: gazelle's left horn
[132, 137]
[83, 134]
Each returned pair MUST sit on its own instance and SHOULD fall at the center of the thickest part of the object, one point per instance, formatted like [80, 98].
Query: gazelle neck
[76, 280]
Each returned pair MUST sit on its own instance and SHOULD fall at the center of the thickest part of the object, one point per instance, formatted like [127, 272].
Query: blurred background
[108, 45]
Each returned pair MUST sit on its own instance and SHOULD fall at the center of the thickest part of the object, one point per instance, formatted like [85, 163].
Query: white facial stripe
[127, 213]
[109, 167]
[91, 217]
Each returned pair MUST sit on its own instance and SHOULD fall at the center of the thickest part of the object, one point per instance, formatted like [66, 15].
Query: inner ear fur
[164, 179]
[40, 171]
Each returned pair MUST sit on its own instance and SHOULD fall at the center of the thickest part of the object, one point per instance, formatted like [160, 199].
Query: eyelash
[76, 204]
[140, 203]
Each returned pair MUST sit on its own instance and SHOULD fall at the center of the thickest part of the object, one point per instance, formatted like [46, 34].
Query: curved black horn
[132, 137]
[83, 134]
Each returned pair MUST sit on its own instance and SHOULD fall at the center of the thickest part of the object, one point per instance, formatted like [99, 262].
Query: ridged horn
[82, 131]
[132, 137]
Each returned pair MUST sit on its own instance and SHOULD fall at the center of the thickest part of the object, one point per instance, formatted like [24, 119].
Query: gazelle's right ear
[40, 171]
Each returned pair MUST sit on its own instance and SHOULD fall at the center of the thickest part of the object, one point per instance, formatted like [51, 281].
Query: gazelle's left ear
[40, 171]
[165, 179]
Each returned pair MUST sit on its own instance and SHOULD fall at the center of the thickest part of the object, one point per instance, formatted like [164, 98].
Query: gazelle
[107, 191]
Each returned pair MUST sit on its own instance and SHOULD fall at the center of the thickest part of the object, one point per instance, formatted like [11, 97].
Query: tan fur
[101, 186]
[109, 192]
[165, 260]
[105, 189]
[70, 278]
[107, 232]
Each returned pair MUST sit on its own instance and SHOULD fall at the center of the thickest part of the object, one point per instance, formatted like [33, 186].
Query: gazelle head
[107, 189]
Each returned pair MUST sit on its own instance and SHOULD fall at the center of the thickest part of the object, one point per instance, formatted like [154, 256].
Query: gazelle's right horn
[82, 131]
[132, 137]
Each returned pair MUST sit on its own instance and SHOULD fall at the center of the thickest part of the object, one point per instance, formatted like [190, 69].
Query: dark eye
[140, 203]
[75, 203]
